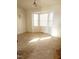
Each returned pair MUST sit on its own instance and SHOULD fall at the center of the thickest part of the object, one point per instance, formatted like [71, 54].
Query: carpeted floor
[38, 46]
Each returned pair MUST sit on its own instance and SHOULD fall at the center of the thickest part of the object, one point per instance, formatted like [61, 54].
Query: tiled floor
[37, 46]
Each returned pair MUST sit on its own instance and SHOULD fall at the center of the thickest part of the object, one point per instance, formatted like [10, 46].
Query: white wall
[57, 21]
[21, 21]
[28, 15]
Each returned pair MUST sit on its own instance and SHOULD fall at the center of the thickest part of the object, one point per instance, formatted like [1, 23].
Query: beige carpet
[38, 46]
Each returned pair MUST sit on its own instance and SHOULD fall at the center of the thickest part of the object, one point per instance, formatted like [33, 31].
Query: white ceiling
[27, 4]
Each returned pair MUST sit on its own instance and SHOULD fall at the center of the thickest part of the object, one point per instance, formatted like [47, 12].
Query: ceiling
[27, 4]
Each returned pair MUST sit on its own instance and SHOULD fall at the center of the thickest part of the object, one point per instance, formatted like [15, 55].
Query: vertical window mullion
[38, 19]
[33, 22]
[39, 22]
[48, 23]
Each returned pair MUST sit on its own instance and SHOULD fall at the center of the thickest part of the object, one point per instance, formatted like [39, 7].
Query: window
[35, 19]
[42, 21]
[50, 19]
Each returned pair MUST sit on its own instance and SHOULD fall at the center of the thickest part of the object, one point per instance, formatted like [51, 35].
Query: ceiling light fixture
[35, 3]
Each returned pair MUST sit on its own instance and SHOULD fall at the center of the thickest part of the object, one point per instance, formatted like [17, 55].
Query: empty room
[38, 29]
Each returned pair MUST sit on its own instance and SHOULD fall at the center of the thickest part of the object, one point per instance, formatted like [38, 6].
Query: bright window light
[54, 33]
[44, 38]
[50, 19]
[43, 19]
[42, 22]
[34, 40]
[39, 39]
[35, 20]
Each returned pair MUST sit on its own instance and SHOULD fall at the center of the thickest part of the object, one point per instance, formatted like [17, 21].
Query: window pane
[50, 19]
[43, 19]
[35, 19]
